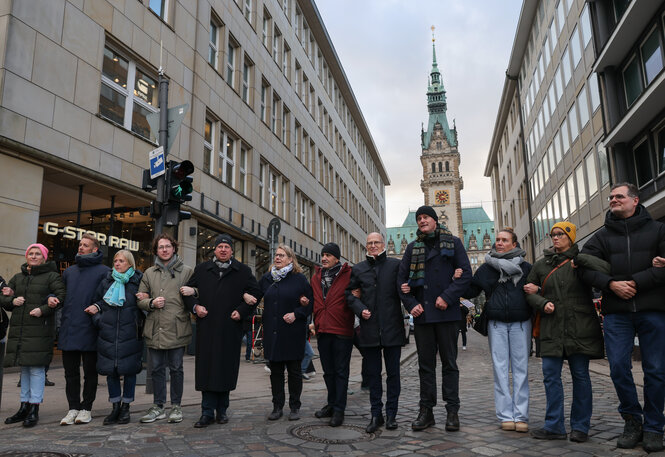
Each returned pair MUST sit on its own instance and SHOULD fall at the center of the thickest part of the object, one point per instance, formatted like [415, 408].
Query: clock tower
[440, 158]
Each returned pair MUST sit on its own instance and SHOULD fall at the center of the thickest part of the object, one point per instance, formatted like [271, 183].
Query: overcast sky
[385, 47]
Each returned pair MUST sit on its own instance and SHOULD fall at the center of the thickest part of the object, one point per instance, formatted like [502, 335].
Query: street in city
[248, 433]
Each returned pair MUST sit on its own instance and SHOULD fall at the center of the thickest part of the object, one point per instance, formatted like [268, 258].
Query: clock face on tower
[442, 197]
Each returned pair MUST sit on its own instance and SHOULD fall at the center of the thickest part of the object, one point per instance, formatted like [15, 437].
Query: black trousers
[438, 337]
[277, 382]
[212, 402]
[335, 355]
[71, 361]
[391, 356]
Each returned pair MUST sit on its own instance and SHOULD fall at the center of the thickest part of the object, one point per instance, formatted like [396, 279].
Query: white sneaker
[84, 417]
[267, 368]
[70, 417]
[464, 348]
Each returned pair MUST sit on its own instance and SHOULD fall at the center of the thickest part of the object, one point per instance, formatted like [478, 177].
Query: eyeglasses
[617, 196]
[374, 243]
[557, 235]
[165, 247]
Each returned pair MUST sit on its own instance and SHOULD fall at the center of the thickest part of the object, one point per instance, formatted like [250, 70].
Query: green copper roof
[437, 106]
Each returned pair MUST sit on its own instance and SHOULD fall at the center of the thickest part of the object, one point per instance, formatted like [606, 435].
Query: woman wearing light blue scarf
[119, 344]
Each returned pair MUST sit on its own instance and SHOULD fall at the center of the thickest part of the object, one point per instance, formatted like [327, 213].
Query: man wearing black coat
[374, 296]
[633, 304]
[227, 292]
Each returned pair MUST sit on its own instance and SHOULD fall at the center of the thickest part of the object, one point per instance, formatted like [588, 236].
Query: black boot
[632, 432]
[123, 415]
[424, 420]
[452, 421]
[33, 415]
[20, 415]
[113, 417]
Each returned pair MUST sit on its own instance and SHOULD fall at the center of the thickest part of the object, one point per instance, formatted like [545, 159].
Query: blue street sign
[157, 162]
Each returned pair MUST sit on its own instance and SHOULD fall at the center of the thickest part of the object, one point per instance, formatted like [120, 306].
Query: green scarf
[446, 246]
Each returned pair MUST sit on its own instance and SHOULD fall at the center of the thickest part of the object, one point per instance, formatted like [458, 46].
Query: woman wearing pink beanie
[37, 291]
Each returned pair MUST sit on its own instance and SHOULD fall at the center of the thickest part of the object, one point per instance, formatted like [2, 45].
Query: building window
[591, 174]
[265, 91]
[273, 188]
[603, 164]
[572, 123]
[593, 91]
[273, 113]
[226, 158]
[620, 7]
[230, 63]
[561, 17]
[642, 157]
[286, 123]
[567, 71]
[583, 106]
[247, 10]
[286, 60]
[570, 185]
[247, 77]
[262, 186]
[652, 56]
[213, 44]
[208, 141]
[127, 107]
[585, 22]
[276, 42]
[575, 47]
[242, 170]
[160, 7]
[579, 177]
[632, 81]
[265, 30]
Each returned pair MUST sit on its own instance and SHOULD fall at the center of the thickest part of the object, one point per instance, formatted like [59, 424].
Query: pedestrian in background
[120, 342]
[168, 325]
[77, 338]
[285, 328]
[502, 277]
[32, 297]
[569, 329]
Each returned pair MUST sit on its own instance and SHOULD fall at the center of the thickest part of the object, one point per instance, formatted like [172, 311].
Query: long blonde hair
[291, 255]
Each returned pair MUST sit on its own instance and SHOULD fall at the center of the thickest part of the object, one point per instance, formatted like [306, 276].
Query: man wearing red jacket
[333, 321]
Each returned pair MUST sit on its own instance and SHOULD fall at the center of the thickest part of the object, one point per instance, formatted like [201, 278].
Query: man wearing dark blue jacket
[78, 336]
[426, 276]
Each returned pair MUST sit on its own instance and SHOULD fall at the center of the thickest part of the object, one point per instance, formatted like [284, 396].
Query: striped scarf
[445, 245]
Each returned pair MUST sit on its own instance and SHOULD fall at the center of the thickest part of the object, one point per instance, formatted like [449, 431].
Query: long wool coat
[218, 337]
[30, 339]
[284, 341]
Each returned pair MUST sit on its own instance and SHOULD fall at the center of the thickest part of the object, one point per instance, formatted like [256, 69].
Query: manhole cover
[344, 434]
[39, 454]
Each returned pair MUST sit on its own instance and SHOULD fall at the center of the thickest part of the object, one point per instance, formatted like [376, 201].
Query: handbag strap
[542, 287]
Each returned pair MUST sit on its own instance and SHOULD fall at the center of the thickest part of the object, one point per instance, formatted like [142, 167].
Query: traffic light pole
[162, 196]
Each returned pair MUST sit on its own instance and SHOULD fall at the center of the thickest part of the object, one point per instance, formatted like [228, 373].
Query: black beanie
[224, 238]
[427, 210]
[331, 248]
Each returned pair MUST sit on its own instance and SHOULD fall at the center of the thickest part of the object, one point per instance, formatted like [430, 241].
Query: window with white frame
[128, 95]
[561, 17]
[558, 82]
[208, 141]
[286, 124]
[284, 199]
[213, 43]
[572, 123]
[297, 146]
[262, 184]
[247, 77]
[265, 29]
[581, 190]
[247, 10]
[231, 51]
[583, 106]
[286, 61]
[592, 182]
[273, 189]
[570, 186]
[565, 137]
[265, 91]
[226, 158]
[594, 94]
[276, 44]
[273, 113]
[567, 71]
[575, 47]
[242, 170]
[585, 23]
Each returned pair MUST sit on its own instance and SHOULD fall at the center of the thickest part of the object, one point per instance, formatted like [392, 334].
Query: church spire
[436, 103]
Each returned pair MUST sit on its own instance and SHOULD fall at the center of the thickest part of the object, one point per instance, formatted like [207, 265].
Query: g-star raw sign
[73, 233]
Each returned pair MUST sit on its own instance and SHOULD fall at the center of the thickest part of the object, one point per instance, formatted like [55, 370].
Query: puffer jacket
[505, 301]
[120, 342]
[169, 327]
[629, 245]
[574, 326]
[30, 339]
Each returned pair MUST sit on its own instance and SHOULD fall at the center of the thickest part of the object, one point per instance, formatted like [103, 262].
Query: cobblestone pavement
[248, 433]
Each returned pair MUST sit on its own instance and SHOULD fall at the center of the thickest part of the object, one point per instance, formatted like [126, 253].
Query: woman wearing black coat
[120, 323]
[285, 328]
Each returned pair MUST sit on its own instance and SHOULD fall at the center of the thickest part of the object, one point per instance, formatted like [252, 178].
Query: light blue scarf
[115, 296]
[278, 275]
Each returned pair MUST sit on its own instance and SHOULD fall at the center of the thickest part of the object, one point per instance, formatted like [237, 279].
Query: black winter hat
[331, 248]
[427, 210]
[224, 238]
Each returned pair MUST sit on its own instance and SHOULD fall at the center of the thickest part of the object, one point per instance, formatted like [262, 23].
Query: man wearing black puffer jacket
[633, 304]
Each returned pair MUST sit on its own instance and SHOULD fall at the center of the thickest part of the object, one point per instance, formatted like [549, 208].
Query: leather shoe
[542, 434]
[337, 418]
[222, 418]
[294, 415]
[578, 437]
[204, 421]
[374, 424]
[391, 423]
[452, 422]
[424, 420]
[275, 414]
[326, 411]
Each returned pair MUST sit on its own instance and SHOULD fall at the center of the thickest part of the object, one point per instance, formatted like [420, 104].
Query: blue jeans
[620, 330]
[510, 344]
[391, 356]
[582, 405]
[160, 358]
[32, 384]
[126, 394]
[309, 353]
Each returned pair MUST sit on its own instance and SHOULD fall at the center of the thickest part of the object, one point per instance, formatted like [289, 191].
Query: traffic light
[147, 183]
[173, 214]
[179, 181]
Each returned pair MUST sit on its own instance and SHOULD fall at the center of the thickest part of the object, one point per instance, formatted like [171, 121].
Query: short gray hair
[633, 191]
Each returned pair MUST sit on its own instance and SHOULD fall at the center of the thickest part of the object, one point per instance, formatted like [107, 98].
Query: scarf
[223, 266]
[115, 296]
[168, 267]
[279, 274]
[507, 264]
[327, 278]
[446, 247]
